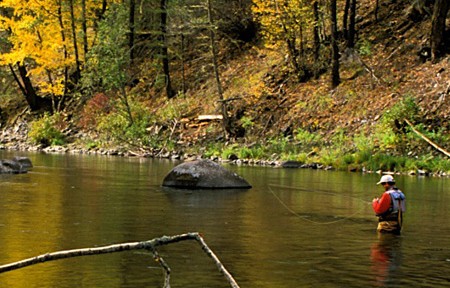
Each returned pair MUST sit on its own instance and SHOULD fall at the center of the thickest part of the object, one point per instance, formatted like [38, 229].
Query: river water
[294, 228]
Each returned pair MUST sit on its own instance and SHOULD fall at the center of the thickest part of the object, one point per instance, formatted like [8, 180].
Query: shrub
[228, 151]
[95, 108]
[115, 126]
[364, 47]
[255, 152]
[306, 138]
[47, 130]
[405, 109]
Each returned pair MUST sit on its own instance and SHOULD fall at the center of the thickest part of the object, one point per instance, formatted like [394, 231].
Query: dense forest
[349, 84]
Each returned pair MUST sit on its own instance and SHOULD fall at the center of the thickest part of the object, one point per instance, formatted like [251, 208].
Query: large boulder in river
[17, 165]
[25, 162]
[11, 167]
[203, 174]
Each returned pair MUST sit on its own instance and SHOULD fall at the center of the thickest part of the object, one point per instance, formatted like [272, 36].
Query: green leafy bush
[405, 109]
[115, 127]
[47, 130]
[364, 47]
[307, 139]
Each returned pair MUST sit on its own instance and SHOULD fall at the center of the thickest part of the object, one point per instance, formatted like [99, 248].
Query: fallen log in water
[148, 245]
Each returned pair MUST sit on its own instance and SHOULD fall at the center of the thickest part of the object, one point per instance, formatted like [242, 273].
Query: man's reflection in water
[386, 258]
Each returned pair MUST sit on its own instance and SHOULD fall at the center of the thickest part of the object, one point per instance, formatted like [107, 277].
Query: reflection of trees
[64, 200]
[33, 211]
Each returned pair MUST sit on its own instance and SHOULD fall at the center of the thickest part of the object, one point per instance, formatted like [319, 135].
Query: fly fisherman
[390, 207]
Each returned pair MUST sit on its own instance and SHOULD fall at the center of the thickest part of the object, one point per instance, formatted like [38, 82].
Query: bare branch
[165, 267]
[219, 265]
[148, 245]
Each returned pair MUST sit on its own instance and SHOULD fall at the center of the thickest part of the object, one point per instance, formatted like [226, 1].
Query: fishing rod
[321, 191]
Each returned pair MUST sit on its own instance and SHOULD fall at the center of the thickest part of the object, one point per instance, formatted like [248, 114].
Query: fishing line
[312, 221]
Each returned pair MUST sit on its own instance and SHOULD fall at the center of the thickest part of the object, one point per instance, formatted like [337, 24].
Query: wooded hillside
[307, 80]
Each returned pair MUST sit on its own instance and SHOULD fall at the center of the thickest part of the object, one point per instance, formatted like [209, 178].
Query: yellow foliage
[37, 38]
[282, 20]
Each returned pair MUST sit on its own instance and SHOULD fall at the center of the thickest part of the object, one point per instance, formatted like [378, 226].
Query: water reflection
[73, 201]
[386, 257]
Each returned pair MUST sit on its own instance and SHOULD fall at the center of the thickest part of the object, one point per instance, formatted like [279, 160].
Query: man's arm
[381, 205]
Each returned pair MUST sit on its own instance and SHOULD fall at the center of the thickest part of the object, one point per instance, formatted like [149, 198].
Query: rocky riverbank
[15, 138]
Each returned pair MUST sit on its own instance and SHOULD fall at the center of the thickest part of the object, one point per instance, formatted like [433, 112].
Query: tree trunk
[345, 19]
[183, 70]
[131, 23]
[77, 75]
[437, 39]
[225, 120]
[126, 104]
[352, 26]
[375, 12]
[164, 51]
[316, 31]
[335, 78]
[63, 39]
[26, 86]
[84, 27]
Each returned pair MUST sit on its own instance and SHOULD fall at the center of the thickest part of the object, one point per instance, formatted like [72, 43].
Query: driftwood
[427, 139]
[209, 117]
[148, 245]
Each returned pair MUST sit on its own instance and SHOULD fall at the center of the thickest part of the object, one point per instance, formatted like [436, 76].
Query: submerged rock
[203, 174]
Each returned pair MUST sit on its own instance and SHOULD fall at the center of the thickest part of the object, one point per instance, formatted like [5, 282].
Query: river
[294, 228]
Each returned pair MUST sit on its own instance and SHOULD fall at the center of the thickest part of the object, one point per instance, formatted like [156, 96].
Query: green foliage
[306, 138]
[430, 163]
[279, 144]
[91, 145]
[112, 127]
[173, 109]
[108, 59]
[386, 133]
[246, 122]
[340, 141]
[228, 151]
[108, 62]
[47, 130]
[405, 109]
[254, 152]
[301, 157]
[364, 148]
[211, 150]
[385, 138]
[439, 135]
[385, 162]
[328, 157]
[364, 47]
[115, 127]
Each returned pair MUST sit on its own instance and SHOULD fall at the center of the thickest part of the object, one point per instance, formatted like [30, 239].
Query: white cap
[386, 179]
